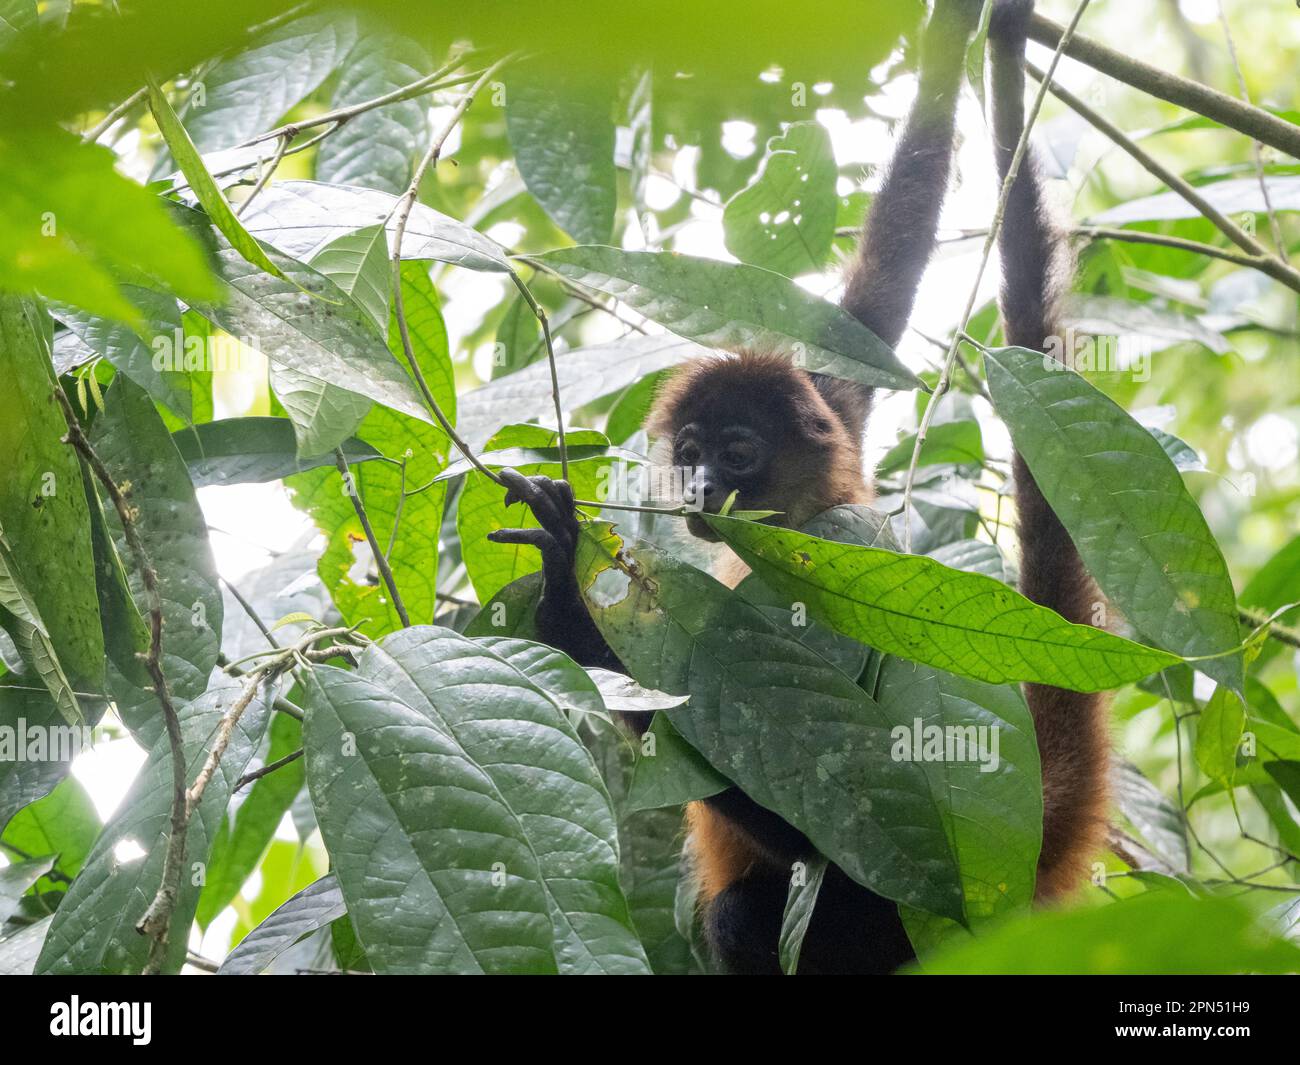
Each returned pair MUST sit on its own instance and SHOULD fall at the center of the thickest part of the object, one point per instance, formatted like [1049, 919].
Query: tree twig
[252, 614]
[270, 767]
[1256, 618]
[381, 561]
[157, 918]
[402, 213]
[1213, 104]
[945, 378]
[1268, 263]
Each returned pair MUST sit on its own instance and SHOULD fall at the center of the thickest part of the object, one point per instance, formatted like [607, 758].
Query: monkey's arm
[898, 236]
[1070, 726]
[563, 620]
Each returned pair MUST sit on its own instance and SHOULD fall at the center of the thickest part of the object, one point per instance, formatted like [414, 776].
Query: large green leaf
[584, 375]
[1232, 197]
[64, 823]
[315, 906]
[784, 219]
[16, 878]
[407, 528]
[1139, 532]
[1161, 932]
[249, 92]
[514, 867]
[563, 141]
[736, 306]
[243, 450]
[29, 711]
[43, 513]
[205, 188]
[134, 444]
[794, 733]
[94, 928]
[378, 148]
[306, 322]
[301, 217]
[916, 608]
[123, 346]
[71, 226]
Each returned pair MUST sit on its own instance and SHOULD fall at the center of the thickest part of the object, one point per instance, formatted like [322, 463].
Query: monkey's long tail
[1036, 264]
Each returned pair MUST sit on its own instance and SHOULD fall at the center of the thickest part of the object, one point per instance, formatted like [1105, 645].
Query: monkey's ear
[813, 418]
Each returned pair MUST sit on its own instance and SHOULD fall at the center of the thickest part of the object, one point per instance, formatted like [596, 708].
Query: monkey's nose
[700, 491]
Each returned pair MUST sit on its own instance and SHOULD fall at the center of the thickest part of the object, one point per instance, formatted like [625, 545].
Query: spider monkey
[790, 441]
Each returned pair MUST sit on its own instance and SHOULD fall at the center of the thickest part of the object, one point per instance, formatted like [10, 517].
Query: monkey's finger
[538, 538]
[518, 487]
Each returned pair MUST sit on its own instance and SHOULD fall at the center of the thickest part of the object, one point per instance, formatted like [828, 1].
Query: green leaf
[407, 530]
[301, 217]
[205, 188]
[916, 608]
[1218, 735]
[43, 513]
[27, 710]
[248, 830]
[784, 219]
[315, 906]
[522, 835]
[795, 734]
[799, 904]
[948, 442]
[138, 451]
[1139, 533]
[324, 415]
[244, 450]
[16, 878]
[563, 141]
[134, 355]
[584, 375]
[64, 823]
[735, 306]
[94, 929]
[19, 951]
[669, 771]
[306, 322]
[377, 149]
[1161, 824]
[1233, 197]
[249, 92]
[71, 225]
[1161, 932]
[977, 746]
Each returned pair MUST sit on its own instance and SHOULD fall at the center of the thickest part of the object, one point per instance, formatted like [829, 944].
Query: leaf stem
[381, 560]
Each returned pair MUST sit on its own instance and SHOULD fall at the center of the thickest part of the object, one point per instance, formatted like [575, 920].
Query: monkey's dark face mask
[716, 463]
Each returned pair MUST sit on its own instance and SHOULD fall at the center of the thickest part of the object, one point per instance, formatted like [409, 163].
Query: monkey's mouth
[698, 527]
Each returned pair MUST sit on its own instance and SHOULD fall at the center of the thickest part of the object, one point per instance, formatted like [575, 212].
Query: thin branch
[381, 561]
[1213, 104]
[104, 124]
[945, 378]
[270, 767]
[157, 918]
[252, 614]
[1137, 236]
[264, 178]
[339, 116]
[550, 359]
[1269, 263]
[402, 212]
[1256, 618]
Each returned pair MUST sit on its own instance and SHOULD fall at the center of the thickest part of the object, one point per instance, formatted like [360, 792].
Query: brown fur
[1073, 742]
[720, 852]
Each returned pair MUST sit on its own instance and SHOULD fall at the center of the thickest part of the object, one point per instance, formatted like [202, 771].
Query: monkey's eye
[740, 455]
[688, 453]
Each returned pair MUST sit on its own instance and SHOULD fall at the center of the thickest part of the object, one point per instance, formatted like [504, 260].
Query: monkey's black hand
[563, 620]
[551, 502]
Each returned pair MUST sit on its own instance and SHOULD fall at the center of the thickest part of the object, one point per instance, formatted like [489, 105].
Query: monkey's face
[715, 462]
